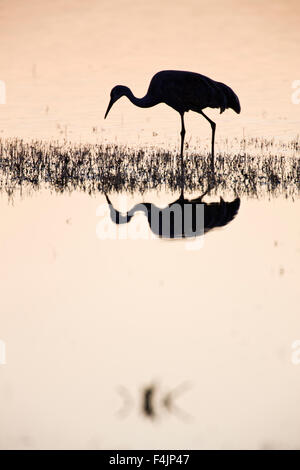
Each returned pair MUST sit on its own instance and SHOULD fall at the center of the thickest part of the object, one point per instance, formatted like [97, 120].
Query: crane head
[116, 93]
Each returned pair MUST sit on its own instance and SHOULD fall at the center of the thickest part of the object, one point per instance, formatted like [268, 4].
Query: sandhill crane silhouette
[183, 91]
[181, 218]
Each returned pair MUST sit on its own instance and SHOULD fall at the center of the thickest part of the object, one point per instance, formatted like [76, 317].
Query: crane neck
[146, 102]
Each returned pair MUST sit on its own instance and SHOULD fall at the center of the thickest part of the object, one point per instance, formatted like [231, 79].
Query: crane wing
[186, 91]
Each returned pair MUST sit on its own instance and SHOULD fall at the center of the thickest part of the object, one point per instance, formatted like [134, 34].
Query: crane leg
[213, 129]
[182, 133]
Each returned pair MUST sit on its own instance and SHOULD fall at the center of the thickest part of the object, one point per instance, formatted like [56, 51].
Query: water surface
[99, 332]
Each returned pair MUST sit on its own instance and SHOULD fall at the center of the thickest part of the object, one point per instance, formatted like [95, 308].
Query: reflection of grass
[259, 167]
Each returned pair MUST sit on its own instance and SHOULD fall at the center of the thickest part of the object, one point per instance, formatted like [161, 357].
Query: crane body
[183, 91]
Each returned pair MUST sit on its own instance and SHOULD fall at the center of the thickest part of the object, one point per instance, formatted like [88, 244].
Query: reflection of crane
[183, 91]
[182, 217]
[150, 406]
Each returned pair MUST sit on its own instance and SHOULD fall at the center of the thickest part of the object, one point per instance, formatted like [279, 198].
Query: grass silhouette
[252, 167]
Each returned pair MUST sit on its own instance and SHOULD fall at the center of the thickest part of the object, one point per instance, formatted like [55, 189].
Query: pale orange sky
[80, 316]
[61, 58]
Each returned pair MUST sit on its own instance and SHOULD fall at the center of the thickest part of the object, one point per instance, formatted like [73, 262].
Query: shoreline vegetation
[252, 167]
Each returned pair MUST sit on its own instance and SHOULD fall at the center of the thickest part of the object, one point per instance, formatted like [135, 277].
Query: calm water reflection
[79, 314]
[182, 218]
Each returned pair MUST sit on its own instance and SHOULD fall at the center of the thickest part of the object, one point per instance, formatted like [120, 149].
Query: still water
[143, 342]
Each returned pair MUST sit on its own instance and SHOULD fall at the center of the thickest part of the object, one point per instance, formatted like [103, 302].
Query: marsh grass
[252, 167]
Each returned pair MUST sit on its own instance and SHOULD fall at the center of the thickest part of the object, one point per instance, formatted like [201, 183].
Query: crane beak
[108, 108]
